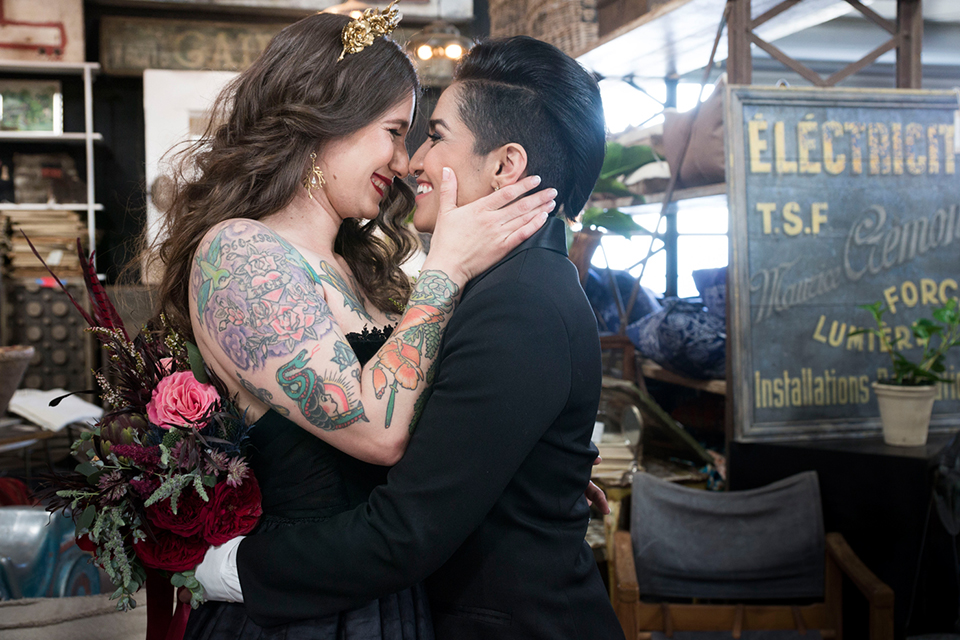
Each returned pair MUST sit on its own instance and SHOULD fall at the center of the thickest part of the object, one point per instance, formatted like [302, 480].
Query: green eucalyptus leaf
[196, 363]
[86, 518]
[87, 468]
[178, 580]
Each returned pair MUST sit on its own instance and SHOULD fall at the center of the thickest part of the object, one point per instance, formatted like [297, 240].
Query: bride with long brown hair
[282, 258]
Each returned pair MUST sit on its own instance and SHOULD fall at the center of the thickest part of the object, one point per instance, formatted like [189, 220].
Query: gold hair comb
[362, 31]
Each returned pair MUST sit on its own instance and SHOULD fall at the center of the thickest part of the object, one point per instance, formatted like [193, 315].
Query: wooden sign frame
[817, 181]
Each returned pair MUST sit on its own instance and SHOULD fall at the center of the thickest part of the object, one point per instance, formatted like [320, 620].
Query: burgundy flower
[232, 511]
[171, 552]
[142, 457]
[187, 521]
[144, 487]
[86, 544]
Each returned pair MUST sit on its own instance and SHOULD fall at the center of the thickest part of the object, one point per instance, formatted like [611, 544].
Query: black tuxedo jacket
[487, 504]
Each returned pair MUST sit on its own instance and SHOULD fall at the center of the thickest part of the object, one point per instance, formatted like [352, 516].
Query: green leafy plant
[611, 220]
[618, 162]
[944, 329]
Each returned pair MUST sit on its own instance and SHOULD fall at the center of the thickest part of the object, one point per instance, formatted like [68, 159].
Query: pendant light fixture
[436, 50]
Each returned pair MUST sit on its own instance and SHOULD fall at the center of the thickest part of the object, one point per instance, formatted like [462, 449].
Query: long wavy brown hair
[254, 155]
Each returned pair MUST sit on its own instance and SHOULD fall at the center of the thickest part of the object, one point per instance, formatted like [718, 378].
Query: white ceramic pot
[905, 413]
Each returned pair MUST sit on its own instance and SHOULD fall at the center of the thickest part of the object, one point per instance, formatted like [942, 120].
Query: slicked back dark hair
[529, 92]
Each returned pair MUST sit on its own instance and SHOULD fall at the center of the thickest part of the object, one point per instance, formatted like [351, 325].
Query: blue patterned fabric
[602, 298]
[712, 285]
[684, 338]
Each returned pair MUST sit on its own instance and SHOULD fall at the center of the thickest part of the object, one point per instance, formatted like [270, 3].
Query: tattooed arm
[260, 315]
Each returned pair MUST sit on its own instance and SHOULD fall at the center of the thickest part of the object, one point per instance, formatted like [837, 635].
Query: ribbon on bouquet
[163, 621]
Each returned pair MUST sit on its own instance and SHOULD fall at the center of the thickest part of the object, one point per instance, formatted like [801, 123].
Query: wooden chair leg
[667, 620]
[798, 621]
[833, 595]
[737, 630]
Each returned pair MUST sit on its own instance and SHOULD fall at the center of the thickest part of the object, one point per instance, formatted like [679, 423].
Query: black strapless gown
[303, 479]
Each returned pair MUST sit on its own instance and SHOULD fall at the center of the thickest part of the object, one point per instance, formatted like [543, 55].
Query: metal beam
[873, 16]
[739, 64]
[773, 12]
[799, 67]
[910, 29]
[865, 61]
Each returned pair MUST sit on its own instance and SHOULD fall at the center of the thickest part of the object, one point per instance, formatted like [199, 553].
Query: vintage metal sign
[838, 198]
[130, 45]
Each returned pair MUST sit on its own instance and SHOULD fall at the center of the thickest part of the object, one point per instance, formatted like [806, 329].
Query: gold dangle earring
[315, 180]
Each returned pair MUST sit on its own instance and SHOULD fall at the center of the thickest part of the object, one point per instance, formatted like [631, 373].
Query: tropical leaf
[613, 220]
[620, 160]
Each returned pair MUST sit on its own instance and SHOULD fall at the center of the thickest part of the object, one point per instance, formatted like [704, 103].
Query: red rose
[232, 511]
[187, 521]
[170, 551]
[86, 544]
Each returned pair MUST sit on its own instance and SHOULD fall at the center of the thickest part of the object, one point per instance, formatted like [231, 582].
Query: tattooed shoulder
[255, 292]
[352, 298]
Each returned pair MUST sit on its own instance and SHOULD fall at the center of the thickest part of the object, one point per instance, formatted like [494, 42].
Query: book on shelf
[53, 233]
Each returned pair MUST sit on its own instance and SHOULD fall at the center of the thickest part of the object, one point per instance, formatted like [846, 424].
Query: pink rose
[180, 400]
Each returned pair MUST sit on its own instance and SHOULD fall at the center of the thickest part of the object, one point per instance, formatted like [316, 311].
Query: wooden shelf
[9, 206]
[675, 38]
[85, 71]
[25, 136]
[654, 371]
[716, 191]
[49, 68]
[703, 191]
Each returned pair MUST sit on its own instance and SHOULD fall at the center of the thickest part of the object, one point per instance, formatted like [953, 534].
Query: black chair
[752, 564]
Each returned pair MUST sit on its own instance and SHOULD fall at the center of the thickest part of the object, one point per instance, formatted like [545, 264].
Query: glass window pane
[702, 219]
[624, 253]
[655, 275]
[698, 252]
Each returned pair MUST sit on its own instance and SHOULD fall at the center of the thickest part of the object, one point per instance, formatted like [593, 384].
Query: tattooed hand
[263, 323]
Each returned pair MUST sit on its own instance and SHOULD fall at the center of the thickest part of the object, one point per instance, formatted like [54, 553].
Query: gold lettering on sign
[131, 45]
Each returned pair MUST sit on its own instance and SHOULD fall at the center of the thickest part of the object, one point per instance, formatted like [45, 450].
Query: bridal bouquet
[162, 475]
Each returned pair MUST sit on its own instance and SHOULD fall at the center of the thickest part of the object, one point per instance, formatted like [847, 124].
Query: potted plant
[906, 396]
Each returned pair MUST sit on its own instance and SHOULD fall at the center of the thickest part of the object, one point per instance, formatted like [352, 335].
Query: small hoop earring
[315, 179]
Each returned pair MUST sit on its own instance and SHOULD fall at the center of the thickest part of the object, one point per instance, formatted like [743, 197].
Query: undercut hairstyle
[528, 92]
[253, 157]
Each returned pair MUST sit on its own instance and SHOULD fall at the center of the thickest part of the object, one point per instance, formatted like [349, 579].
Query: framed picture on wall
[31, 106]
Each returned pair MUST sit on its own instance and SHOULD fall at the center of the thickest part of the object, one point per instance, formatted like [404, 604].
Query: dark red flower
[187, 521]
[232, 511]
[144, 487]
[142, 457]
[85, 544]
[170, 551]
